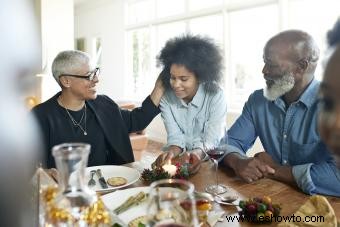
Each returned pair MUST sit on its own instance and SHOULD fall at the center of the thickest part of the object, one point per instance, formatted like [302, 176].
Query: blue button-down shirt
[290, 136]
[202, 119]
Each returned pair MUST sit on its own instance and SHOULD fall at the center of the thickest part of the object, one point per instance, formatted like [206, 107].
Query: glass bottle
[73, 203]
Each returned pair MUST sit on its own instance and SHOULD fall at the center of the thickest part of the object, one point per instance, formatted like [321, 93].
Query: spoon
[228, 200]
[92, 182]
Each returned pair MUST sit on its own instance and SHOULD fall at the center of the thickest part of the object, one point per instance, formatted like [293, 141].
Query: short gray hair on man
[68, 61]
[303, 46]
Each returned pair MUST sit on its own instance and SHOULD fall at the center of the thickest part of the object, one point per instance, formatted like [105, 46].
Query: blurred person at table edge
[78, 114]
[284, 116]
[19, 141]
[329, 118]
[193, 107]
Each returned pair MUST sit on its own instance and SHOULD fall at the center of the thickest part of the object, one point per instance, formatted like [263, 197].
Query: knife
[101, 179]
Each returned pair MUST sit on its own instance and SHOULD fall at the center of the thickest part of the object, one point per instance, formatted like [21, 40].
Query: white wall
[105, 19]
[57, 32]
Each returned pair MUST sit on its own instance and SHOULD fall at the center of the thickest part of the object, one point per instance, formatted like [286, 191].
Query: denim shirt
[290, 136]
[202, 119]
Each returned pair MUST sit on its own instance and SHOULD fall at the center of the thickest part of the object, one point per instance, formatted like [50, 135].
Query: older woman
[193, 106]
[329, 120]
[78, 114]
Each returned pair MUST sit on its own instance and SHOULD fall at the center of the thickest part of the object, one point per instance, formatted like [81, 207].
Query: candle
[171, 169]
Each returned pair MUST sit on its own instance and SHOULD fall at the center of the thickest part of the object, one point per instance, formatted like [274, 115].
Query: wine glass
[172, 204]
[215, 154]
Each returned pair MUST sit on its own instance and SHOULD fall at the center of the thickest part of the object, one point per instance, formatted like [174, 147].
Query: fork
[92, 182]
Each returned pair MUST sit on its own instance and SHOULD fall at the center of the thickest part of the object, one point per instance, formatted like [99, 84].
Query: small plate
[131, 175]
[114, 199]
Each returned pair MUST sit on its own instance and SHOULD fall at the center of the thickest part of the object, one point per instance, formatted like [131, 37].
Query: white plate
[115, 199]
[131, 175]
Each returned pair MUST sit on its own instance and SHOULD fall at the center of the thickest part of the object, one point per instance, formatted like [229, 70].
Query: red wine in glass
[215, 153]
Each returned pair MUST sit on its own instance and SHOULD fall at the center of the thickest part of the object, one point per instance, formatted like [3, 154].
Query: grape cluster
[259, 209]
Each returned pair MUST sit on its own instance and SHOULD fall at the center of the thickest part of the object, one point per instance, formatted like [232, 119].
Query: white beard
[280, 87]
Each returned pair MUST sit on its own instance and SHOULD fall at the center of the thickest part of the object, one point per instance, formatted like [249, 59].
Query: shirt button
[285, 136]
[284, 162]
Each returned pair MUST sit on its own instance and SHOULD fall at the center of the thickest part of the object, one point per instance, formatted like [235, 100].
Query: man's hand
[248, 169]
[282, 173]
[266, 158]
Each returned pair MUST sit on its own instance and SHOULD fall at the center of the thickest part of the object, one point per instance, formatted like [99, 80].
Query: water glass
[172, 204]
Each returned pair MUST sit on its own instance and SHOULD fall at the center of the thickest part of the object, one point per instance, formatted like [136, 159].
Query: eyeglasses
[89, 76]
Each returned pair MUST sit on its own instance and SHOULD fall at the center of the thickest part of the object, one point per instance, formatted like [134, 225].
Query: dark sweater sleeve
[140, 117]
[44, 130]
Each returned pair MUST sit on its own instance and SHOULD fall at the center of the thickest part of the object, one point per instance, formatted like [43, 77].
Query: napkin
[214, 216]
[315, 206]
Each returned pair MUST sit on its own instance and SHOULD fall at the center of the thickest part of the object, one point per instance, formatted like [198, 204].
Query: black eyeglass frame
[89, 76]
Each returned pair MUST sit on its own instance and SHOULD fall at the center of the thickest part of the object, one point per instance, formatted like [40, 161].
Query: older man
[284, 117]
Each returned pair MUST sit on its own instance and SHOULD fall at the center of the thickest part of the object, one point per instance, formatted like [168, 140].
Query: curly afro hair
[198, 54]
[333, 36]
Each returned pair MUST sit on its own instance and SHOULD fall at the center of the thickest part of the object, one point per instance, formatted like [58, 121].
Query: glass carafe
[73, 203]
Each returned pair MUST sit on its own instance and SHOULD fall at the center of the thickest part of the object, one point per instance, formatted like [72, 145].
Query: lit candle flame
[171, 169]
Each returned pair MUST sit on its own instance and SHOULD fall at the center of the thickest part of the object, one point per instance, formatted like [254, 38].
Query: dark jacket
[116, 123]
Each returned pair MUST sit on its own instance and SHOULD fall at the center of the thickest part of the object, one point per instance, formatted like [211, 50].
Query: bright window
[202, 4]
[140, 11]
[167, 8]
[317, 20]
[245, 55]
[167, 31]
[240, 27]
[139, 60]
[203, 26]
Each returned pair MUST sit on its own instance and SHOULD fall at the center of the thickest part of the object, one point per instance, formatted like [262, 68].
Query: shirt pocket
[306, 153]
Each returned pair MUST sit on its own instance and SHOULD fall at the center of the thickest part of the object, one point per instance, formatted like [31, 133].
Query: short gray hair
[303, 44]
[67, 61]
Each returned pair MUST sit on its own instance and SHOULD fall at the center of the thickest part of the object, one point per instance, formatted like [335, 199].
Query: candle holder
[166, 172]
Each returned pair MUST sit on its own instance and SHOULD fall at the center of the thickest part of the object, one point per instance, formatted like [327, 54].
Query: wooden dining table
[290, 198]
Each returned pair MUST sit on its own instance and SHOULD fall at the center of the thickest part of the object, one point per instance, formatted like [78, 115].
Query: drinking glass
[172, 204]
[215, 154]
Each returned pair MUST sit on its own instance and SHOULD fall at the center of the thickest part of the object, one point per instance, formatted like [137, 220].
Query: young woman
[193, 107]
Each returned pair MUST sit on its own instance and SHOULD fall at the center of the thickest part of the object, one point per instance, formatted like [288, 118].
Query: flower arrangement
[158, 173]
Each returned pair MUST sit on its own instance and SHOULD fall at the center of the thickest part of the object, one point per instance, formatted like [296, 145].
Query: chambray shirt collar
[197, 100]
[308, 96]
